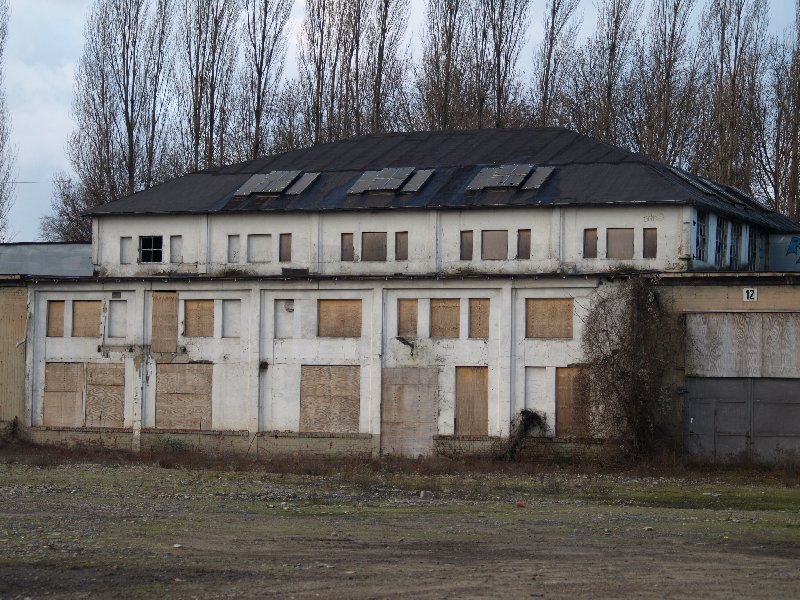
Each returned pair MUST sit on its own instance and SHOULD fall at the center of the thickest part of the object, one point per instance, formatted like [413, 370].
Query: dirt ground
[82, 529]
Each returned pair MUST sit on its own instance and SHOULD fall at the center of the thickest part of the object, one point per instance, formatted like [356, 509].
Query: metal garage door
[750, 417]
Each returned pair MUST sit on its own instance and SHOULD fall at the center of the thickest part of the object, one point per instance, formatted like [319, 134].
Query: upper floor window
[590, 243]
[736, 243]
[619, 243]
[721, 243]
[650, 242]
[466, 245]
[348, 252]
[494, 244]
[401, 245]
[752, 249]
[524, 244]
[151, 248]
[373, 246]
[701, 233]
[285, 249]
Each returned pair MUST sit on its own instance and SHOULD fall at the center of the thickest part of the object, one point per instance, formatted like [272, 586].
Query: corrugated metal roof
[585, 172]
[52, 259]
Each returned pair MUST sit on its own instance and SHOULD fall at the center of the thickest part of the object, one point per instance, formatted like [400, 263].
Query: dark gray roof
[45, 258]
[587, 172]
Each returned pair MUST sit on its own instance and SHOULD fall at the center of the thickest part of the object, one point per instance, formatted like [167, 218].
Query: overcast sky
[44, 44]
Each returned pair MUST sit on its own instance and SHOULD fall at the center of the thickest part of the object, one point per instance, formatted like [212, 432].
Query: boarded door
[408, 411]
[105, 395]
[63, 395]
[330, 399]
[183, 396]
[472, 401]
[164, 336]
[572, 406]
[13, 308]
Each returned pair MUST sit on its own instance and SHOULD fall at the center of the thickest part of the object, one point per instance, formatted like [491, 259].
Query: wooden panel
[445, 317]
[285, 249]
[494, 245]
[198, 316]
[548, 318]
[619, 243]
[348, 250]
[339, 318]
[524, 244]
[63, 395]
[779, 344]
[373, 246]
[330, 399]
[14, 311]
[650, 242]
[479, 317]
[105, 395]
[590, 243]
[183, 396]
[409, 411]
[86, 318]
[401, 245]
[466, 245]
[472, 401]
[164, 337]
[572, 408]
[407, 310]
[55, 318]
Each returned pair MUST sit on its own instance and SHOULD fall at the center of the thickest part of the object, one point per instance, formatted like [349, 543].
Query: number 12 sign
[750, 294]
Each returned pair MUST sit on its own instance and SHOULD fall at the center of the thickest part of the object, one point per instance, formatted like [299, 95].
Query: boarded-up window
[409, 410]
[183, 396]
[407, 318]
[234, 248]
[63, 395]
[86, 318]
[348, 251]
[117, 326]
[479, 317]
[524, 244]
[445, 317]
[55, 318]
[590, 243]
[339, 318]
[164, 333]
[572, 408]
[401, 245]
[105, 395]
[330, 399]
[259, 248]
[472, 401]
[284, 318]
[176, 248]
[198, 316]
[285, 250]
[127, 252]
[231, 318]
[494, 245]
[619, 243]
[373, 246]
[466, 245]
[548, 318]
[650, 243]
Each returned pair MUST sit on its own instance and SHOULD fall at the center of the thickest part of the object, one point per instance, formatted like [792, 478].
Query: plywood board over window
[590, 243]
[523, 244]
[105, 395]
[407, 310]
[55, 318]
[330, 399]
[164, 334]
[183, 396]
[548, 318]
[339, 318]
[572, 406]
[409, 411]
[63, 395]
[466, 245]
[650, 242]
[479, 318]
[619, 243]
[14, 311]
[373, 246]
[348, 253]
[198, 317]
[472, 401]
[445, 317]
[285, 250]
[86, 318]
[401, 245]
[494, 245]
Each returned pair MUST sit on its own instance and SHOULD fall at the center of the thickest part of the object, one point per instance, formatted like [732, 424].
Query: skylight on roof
[503, 176]
[385, 180]
[418, 179]
[538, 178]
[302, 184]
[274, 182]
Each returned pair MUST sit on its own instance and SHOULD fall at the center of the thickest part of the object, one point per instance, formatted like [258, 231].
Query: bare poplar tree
[386, 68]
[7, 168]
[662, 85]
[560, 26]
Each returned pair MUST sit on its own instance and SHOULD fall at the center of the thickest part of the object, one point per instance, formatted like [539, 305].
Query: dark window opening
[151, 248]
[285, 249]
[348, 251]
[650, 243]
[701, 232]
[590, 243]
[466, 245]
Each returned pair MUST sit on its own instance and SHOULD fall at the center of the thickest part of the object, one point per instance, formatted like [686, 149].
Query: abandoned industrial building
[401, 294]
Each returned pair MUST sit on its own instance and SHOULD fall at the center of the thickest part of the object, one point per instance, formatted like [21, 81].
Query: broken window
[548, 318]
[407, 318]
[401, 245]
[151, 248]
[479, 318]
[590, 243]
[55, 318]
[445, 317]
[348, 250]
[701, 240]
[339, 318]
[86, 318]
[721, 243]
[285, 249]
[650, 242]
[466, 245]
[373, 246]
[494, 245]
[523, 244]
[198, 318]
[619, 243]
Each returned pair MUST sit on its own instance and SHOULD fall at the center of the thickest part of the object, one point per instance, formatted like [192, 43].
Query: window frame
[152, 250]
